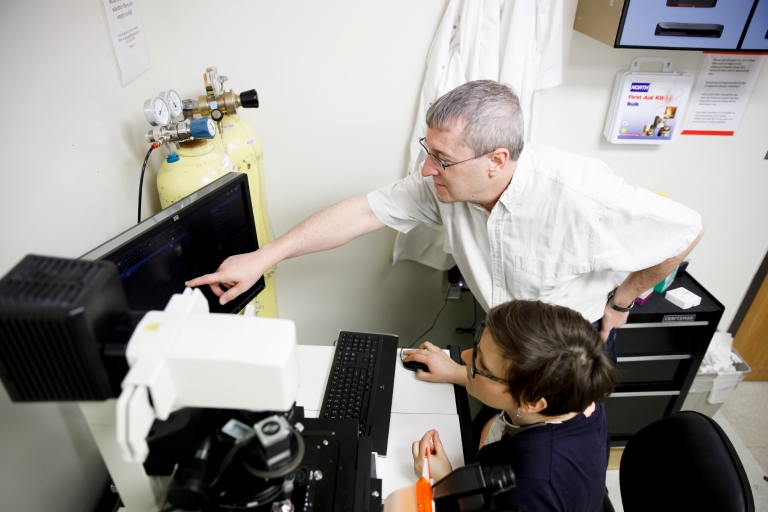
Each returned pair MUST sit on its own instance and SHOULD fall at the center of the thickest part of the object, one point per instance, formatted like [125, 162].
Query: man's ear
[533, 407]
[499, 159]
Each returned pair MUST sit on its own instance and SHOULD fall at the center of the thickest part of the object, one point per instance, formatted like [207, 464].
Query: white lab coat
[517, 42]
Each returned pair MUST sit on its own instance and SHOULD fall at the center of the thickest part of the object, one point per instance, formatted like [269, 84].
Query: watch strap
[616, 307]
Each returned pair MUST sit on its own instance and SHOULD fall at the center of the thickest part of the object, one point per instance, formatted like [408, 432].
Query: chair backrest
[683, 462]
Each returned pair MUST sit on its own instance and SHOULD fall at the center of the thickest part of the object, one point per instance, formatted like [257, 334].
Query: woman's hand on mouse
[441, 367]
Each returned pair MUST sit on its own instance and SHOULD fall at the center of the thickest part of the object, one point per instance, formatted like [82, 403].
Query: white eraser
[682, 298]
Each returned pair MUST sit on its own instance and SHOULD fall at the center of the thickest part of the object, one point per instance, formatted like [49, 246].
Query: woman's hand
[439, 465]
[441, 367]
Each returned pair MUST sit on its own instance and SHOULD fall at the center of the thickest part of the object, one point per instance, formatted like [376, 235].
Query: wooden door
[751, 339]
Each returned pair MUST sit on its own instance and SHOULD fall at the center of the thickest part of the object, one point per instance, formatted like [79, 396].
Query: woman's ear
[534, 407]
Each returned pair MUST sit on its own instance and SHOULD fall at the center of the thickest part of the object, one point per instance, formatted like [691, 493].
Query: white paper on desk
[126, 32]
[412, 395]
[396, 469]
[314, 368]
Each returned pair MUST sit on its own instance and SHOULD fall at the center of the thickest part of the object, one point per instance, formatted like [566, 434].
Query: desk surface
[417, 407]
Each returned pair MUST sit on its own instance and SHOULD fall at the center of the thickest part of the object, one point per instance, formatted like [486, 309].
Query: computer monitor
[186, 240]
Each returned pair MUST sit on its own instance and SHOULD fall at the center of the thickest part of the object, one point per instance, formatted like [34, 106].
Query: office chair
[683, 462]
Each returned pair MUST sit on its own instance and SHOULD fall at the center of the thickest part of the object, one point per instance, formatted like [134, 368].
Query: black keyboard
[360, 384]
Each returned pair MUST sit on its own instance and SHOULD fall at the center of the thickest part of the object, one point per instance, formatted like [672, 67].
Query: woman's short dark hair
[552, 352]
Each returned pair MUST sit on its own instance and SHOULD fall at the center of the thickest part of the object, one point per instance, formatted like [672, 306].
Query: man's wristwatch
[618, 308]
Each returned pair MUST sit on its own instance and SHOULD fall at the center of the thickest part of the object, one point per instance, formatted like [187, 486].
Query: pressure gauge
[157, 112]
[173, 100]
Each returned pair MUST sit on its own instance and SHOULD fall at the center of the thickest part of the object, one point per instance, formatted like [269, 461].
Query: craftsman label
[679, 318]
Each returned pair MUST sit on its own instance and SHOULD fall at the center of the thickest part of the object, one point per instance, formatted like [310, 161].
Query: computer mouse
[415, 365]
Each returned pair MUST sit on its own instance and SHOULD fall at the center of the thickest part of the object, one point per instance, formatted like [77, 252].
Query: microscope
[191, 410]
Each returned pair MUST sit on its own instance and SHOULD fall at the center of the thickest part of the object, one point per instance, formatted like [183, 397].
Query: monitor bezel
[181, 209]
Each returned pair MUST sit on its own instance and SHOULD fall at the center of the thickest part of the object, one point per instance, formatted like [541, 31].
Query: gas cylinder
[243, 145]
[195, 164]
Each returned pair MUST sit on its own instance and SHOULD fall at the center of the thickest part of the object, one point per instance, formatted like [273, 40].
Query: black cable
[141, 180]
[473, 328]
[228, 458]
[264, 497]
[118, 504]
[430, 327]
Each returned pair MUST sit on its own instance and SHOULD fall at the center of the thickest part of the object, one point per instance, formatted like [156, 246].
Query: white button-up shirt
[559, 232]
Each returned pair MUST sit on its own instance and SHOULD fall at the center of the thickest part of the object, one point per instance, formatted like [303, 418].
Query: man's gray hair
[492, 113]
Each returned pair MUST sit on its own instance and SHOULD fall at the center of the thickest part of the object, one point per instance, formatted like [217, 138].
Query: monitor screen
[186, 240]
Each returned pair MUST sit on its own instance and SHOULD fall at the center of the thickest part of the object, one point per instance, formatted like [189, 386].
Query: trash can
[710, 391]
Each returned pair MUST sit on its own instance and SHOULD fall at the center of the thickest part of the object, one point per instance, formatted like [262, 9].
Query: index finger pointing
[206, 279]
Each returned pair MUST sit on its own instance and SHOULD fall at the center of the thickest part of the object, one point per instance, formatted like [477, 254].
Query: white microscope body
[185, 356]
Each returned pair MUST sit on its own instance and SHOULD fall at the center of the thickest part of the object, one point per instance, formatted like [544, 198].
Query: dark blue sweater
[558, 467]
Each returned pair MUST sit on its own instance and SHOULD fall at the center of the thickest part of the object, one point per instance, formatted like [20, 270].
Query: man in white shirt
[521, 223]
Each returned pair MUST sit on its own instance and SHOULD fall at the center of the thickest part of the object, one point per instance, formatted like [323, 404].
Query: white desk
[416, 408]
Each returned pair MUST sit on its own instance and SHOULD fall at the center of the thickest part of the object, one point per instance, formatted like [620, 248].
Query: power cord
[430, 327]
[141, 180]
[473, 328]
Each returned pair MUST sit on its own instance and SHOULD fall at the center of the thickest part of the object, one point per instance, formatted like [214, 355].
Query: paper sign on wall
[127, 36]
[722, 93]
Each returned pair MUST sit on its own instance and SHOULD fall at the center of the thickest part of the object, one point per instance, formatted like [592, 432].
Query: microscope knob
[202, 128]
[249, 99]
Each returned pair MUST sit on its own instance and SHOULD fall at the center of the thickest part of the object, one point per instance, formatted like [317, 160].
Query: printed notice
[127, 36]
[722, 93]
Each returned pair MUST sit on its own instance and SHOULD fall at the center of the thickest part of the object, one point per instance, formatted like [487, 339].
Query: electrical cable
[473, 328]
[266, 496]
[141, 180]
[228, 458]
[430, 327]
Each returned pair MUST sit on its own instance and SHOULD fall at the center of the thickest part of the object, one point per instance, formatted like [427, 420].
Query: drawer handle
[692, 3]
[644, 393]
[689, 30]
[663, 324]
[632, 359]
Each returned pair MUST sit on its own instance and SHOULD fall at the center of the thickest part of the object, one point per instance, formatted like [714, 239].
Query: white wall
[339, 83]
[723, 178]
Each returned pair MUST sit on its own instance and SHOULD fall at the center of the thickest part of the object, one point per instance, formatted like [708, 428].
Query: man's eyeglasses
[442, 164]
[478, 335]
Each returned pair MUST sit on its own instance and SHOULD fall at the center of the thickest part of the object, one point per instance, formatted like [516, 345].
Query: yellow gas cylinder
[244, 148]
[195, 164]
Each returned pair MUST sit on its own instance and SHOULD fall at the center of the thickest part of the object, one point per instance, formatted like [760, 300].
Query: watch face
[160, 112]
[156, 112]
[174, 103]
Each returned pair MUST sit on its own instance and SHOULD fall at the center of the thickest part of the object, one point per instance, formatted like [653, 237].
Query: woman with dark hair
[542, 371]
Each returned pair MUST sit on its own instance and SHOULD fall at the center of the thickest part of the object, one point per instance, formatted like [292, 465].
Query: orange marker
[423, 487]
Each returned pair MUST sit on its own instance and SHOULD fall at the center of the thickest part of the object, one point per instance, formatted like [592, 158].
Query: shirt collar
[514, 191]
[511, 196]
